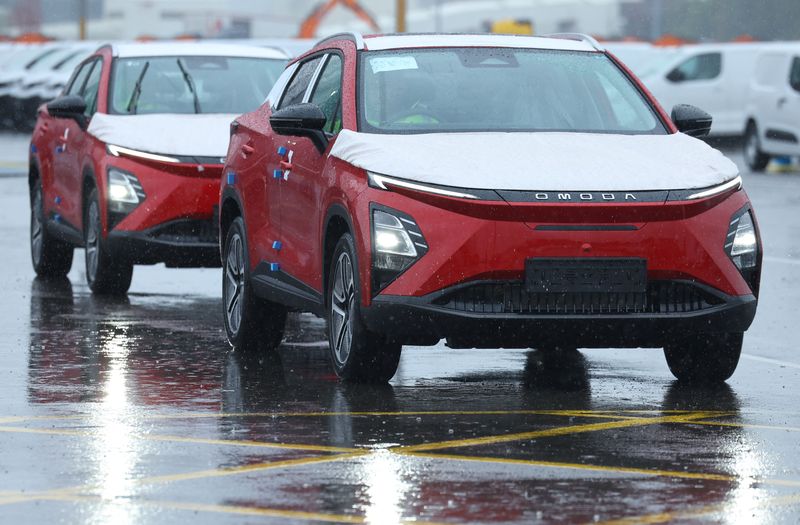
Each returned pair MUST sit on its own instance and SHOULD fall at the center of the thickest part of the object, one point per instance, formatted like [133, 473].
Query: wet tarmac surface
[135, 411]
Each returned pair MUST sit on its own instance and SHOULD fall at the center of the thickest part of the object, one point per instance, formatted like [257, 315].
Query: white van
[714, 77]
[773, 107]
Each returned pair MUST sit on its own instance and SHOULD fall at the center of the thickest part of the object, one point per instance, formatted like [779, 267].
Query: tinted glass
[794, 75]
[91, 88]
[487, 89]
[328, 94]
[701, 67]
[222, 84]
[298, 85]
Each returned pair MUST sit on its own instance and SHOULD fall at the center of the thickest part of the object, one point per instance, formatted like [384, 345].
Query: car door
[57, 132]
[71, 150]
[303, 186]
[698, 80]
[786, 128]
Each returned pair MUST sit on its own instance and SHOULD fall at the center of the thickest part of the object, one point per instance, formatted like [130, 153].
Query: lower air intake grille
[513, 298]
[188, 231]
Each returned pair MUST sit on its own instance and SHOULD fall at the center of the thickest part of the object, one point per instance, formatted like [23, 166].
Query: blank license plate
[586, 275]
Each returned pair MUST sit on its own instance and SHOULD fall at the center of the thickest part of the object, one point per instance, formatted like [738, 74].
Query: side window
[794, 75]
[701, 67]
[328, 94]
[298, 85]
[277, 90]
[92, 86]
[79, 79]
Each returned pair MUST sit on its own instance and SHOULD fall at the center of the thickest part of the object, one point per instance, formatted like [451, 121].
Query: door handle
[247, 150]
[286, 165]
[781, 102]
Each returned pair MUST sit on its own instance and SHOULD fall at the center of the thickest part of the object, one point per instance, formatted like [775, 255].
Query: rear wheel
[252, 324]
[704, 358]
[50, 257]
[756, 159]
[357, 354]
[104, 274]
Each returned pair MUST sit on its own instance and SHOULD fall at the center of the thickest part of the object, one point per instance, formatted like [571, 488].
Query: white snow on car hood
[168, 134]
[540, 161]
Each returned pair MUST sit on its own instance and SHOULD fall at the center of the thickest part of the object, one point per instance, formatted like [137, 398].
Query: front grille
[188, 231]
[513, 298]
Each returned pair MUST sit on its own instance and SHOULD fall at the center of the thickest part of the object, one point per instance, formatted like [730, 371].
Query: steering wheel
[401, 116]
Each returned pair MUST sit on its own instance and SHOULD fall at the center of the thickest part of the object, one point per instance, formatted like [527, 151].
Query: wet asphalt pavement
[135, 411]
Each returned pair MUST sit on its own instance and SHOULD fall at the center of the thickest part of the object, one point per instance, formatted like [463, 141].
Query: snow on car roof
[156, 49]
[379, 43]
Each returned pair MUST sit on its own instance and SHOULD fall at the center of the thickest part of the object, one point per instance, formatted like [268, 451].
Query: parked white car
[715, 77]
[773, 107]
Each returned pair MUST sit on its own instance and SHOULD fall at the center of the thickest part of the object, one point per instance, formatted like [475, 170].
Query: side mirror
[676, 76]
[68, 106]
[691, 120]
[301, 120]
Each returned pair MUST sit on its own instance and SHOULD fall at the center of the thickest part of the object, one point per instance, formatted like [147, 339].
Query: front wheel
[50, 257]
[756, 159]
[704, 358]
[357, 354]
[104, 274]
[252, 324]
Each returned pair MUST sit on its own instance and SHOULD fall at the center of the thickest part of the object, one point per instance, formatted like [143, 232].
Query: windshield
[494, 89]
[192, 84]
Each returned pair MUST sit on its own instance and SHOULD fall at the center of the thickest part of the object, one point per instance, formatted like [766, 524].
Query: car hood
[540, 161]
[168, 134]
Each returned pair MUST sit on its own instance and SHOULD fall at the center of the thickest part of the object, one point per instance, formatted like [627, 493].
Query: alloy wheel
[342, 304]
[37, 225]
[92, 241]
[751, 148]
[234, 283]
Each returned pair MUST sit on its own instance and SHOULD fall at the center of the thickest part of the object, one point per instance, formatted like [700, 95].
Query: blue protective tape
[57, 217]
[59, 149]
[276, 245]
[231, 177]
[58, 200]
[33, 148]
[274, 267]
[277, 174]
[282, 151]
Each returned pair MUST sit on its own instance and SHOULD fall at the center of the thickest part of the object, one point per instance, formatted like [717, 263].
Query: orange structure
[308, 29]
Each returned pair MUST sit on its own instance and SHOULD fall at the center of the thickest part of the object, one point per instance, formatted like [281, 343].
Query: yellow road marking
[222, 415]
[576, 466]
[745, 425]
[562, 431]
[666, 517]
[180, 439]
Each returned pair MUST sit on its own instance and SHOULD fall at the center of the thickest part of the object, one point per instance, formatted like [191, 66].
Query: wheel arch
[337, 223]
[230, 208]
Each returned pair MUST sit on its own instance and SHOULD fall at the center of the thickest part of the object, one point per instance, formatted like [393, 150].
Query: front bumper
[177, 244]
[501, 314]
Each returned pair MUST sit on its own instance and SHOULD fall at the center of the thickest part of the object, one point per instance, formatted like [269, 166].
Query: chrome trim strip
[380, 181]
[716, 190]
[117, 150]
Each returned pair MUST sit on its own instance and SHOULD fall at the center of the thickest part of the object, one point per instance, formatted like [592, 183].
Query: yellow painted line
[562, 431]
[741, 507]
[222, 415]
[180, 439]
[576, 466]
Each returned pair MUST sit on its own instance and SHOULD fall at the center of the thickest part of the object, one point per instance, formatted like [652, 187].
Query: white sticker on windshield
[379, 64]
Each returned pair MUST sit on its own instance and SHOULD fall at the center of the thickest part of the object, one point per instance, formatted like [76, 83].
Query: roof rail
[352, 36]
[580, 37]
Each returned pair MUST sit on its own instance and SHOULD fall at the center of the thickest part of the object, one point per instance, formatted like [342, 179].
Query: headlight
[397, 243]
[742, 244]
[125, 192]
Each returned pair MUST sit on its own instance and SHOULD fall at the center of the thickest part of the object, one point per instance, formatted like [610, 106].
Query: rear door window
[707, 66]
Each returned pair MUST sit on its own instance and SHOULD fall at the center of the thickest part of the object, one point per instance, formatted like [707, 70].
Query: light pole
[82, 14]
[400, 9]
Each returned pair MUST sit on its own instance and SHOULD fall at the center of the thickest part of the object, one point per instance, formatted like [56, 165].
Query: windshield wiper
[190, 82]
[137, 89]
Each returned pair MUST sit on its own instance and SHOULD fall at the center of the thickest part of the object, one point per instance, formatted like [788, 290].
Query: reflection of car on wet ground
[127, 161]
[492, 191]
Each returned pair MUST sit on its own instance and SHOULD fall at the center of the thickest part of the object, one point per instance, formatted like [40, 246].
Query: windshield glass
[192, 84]
[494, 89]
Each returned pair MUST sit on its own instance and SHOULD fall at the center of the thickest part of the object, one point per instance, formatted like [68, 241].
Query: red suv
[127, 161]
[493, 191]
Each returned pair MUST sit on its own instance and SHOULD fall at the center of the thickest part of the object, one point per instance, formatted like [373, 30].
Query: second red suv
[492, 191]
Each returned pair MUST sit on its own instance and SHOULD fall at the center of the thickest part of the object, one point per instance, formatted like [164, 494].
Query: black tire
[253, 325]
[104, 274]
[357, 354]
[704, 358]
[756, 159]
[50, 257]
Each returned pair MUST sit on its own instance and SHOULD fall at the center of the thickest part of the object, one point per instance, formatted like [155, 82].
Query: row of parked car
[751, 89]
[489, 190]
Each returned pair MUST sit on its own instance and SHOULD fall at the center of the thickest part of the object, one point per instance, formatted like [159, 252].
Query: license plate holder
[586, 275]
